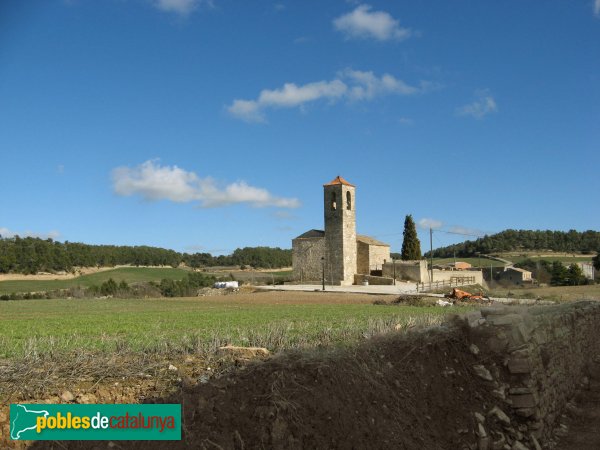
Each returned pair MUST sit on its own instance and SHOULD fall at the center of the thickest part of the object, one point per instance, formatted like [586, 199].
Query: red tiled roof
[338, 180]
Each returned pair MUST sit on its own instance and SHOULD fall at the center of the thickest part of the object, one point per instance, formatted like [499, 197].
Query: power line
[461, 234]
[436, 230]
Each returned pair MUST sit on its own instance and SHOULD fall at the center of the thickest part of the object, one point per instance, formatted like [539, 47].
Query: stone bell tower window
[348, 200]
[333, 204]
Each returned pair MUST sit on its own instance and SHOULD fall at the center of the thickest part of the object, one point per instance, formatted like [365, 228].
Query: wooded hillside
[31, 255]
[515, 240]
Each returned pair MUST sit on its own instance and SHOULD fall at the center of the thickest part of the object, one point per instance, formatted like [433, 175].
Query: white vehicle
[226, 284]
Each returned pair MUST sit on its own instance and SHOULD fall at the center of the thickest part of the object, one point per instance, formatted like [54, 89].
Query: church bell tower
[340, 231]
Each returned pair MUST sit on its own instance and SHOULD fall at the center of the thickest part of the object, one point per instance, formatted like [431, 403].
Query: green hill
[127, 274]
[31, 255]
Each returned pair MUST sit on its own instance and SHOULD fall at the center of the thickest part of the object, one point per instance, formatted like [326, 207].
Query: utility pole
[431, 254]
[394, 264]
[323, 266]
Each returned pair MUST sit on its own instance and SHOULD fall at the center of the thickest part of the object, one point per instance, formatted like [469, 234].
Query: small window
[348, 200]
[333, 204]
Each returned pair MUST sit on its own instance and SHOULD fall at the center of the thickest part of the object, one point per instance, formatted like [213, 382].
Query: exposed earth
[414, 391]
[582, 421]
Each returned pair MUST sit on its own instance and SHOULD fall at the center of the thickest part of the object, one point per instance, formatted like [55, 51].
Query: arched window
[348, 200]
[333, 204]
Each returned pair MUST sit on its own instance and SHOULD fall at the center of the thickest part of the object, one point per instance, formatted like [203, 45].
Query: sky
[208, 125]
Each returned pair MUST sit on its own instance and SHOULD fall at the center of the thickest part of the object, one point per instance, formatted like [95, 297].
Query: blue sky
[209, 125]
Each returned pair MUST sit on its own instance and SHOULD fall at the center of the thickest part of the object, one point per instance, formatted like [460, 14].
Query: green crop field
[273, 320]
[129, 274]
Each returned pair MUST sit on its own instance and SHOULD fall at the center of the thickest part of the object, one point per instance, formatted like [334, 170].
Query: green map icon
[23, 420]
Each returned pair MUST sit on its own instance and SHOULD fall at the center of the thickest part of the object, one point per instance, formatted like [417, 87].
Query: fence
[452, 282]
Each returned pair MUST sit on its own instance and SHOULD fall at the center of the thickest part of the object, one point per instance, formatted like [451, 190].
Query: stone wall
[306, 258]
[407, 270]
[371, 257]
[376, 281]
[447, 275]
[362, 258]
[378, 256]
[537, 358]
[417, 271]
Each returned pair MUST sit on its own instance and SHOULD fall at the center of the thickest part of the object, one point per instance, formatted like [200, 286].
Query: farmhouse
[587, 268]
[337, 254]
[516, 275]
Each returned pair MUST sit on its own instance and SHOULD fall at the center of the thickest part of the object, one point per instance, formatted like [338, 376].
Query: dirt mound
[409, 392]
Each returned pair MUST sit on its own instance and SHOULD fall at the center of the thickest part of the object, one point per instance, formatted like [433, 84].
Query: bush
[411, 300]
[187, 287]
[109, 287]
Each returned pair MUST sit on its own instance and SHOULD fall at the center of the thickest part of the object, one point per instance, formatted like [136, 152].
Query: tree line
[31, 255]
[554, 273]
[259, 257]
[515, 240]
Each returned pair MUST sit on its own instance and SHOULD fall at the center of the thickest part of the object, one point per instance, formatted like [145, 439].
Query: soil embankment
[499, 378]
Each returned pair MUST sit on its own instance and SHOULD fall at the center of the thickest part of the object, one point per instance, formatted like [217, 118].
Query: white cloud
[6, 233]
[353, 85]
[407, 121]
[362, 23]
[291, 95]
[368, 86]
[426, 223]
[248, 110]
[154, 182]
[597, 8]
[483, 105]
[181, 7]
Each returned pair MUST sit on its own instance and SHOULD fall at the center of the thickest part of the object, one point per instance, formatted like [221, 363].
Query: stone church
[338, 253]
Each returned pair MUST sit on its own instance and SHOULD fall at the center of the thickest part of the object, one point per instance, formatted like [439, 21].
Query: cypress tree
[411, 246]
[559, 273]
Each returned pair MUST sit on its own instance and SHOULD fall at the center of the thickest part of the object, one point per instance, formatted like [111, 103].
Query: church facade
[337, 253]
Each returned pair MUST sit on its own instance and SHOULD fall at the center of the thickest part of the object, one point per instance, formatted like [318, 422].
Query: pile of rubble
[209, 292]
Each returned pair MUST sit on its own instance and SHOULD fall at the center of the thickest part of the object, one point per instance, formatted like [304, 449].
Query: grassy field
[485, 263]
[274, 320]
[555, 293]
[564, 259]
[129, 274]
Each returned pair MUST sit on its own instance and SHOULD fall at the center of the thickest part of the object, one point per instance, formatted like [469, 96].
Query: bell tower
[340, 231]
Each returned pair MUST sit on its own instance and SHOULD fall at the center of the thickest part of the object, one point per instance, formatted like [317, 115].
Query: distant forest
[31, 255]
[515, 240]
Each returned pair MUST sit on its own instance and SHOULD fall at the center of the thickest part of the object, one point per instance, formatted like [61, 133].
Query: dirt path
[77, 272]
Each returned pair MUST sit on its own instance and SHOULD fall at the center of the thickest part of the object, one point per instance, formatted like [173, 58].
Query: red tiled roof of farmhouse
[338, 180]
